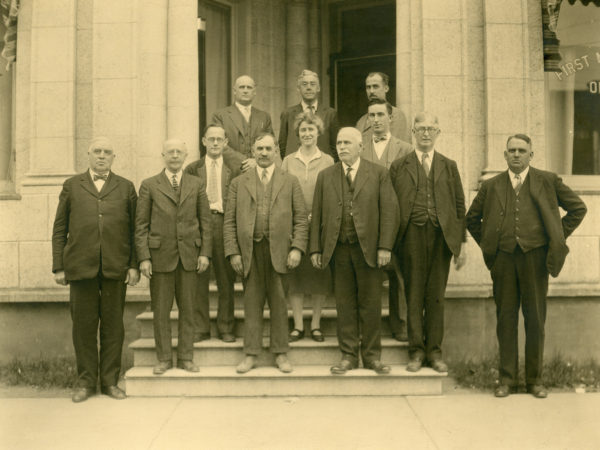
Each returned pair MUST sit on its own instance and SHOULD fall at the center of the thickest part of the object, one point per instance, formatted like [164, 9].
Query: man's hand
[203, 263]
[133, 276]
[248, 164]
[383, 257]
[236, 263]
[461, 259]
[294, 257]
[317, 260]
[146, 268]
[59, 278]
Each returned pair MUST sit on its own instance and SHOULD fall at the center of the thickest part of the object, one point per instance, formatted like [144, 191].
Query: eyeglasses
[174, 152]
[430, 130]
[212, 140]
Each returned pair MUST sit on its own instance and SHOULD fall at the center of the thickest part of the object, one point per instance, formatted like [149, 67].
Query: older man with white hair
[93, 251]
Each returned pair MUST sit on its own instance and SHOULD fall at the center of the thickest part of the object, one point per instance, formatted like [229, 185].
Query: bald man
[243, 122]
[93, 251]
[174, 242]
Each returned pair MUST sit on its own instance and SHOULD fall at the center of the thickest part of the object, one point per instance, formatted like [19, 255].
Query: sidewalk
[473, 421]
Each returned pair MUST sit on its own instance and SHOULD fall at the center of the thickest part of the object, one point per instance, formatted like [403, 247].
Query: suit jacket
[232, 121]
[548, 192]
[288, 220]
[94, 229]
[448, 192]
[374, 208]
[232, 162]
[167, 230]
[288, 140]
[395, 147]
[398, 126]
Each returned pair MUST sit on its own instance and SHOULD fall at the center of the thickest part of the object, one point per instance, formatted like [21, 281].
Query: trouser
[225, 277]
[396, 298]
[520, 279]
[180, 284]
[425, 262]
[98, 300]
[264, 283]
[357, 289]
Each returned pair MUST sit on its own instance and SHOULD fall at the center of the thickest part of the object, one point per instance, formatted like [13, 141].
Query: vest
[347, 230]
[522, 224]
[263, 209]
[424, 207]
[247, 145]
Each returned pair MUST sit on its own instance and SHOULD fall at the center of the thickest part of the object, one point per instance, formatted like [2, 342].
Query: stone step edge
[300, 371]
[213, 343]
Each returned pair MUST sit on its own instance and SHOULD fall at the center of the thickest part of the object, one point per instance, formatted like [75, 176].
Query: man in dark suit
[377, 86]
[174, 242]
[432, 211]
[243, 122]
[216, 170]
[266, 232]
[353, 228]
[309, 88]
[516, 221]
[93, 251]
[380, 147]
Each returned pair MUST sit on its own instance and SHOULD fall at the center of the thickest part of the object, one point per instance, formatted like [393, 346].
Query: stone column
[404, 53]
[52, 87]
[182, 73]
[296, 45]
[314, 38]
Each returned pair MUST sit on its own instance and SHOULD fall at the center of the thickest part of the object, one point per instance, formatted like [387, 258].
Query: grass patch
[59, 372]
[558, 372]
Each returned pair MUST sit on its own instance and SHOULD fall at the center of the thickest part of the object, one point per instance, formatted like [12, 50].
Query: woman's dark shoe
[317, 335]
[296, 335]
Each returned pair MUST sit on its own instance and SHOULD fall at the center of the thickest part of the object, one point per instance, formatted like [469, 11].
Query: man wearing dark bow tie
[93, 251]
[432, 212]
[174, 243]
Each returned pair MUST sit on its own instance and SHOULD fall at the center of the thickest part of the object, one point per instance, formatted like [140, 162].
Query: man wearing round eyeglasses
[173, 240]
[432, 211]
[216, 169]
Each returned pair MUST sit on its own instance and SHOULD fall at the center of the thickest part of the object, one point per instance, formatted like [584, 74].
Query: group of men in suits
[385, 207]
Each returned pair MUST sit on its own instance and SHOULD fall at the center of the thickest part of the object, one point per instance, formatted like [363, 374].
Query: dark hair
[380, 101]
[212, 125]
[311, 119]
[384, 77]
[521, 136]
[264, 134]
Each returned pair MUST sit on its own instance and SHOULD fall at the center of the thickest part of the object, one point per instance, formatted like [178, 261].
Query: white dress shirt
[269, 171]
[420, 156]
[354, 168]
[208, 162]
[178, 175]
[99, 183]
[380, 146]
[522, 175]
[245, 110]
[306, 106]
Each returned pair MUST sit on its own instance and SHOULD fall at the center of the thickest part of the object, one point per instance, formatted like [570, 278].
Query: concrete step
[305, 380]
[214, 352]
[328, 322]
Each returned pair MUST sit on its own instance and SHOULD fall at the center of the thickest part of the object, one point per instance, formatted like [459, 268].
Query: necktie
[213, 188]
[100, 177]
[263, 178]
[349, 177]
[311, 108]
[519, 183]
[425, 162]
[174, 182]
[379, 138]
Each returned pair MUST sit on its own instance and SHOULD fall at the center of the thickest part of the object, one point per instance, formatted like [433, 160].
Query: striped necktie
[425, 162]
[519, 183]
[174, 182]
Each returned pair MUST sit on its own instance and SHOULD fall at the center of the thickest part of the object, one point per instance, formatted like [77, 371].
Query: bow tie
[100, 177]
[379, 139]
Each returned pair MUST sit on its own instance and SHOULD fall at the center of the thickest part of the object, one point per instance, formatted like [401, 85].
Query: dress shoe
[504, 390]
[537, 390]
[162, 367]
[317, 335]
[296, 335]
[247, 364]
[188, 366]
[82, 394]
[415, 364]
[379, 367]
[283, 363]
[201, 337]
[401, 335]
[439, 366]
[227, 337]
[342, 367]
[114, 392]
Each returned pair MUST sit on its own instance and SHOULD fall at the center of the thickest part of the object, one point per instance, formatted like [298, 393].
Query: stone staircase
[311, 361]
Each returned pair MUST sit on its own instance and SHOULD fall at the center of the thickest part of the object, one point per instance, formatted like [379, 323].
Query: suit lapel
[277, 183]
[362, 174]
[368, 148]
[237, 118]
[501, 189]
[535, 184]
[164, 185]
[86, 183]
[225, 173]
[110, 185]
[410, 164]
[186, 187]
[438, 165]
[392, 151]
[250, 182]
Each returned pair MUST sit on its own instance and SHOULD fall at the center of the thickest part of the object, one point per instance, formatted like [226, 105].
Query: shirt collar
[306, 106]
[170, 174]
[420, 154]
[92, 173]
[386, 137]
[243, 107]
[523, 174]
[354, 166]
[219, 161]
[298, 156]
[269, 170]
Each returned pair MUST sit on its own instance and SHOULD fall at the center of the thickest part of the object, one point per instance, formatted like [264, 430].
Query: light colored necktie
[519, 184]
[263, 178]
[174, 182]
[213, 189]
[425, 162]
